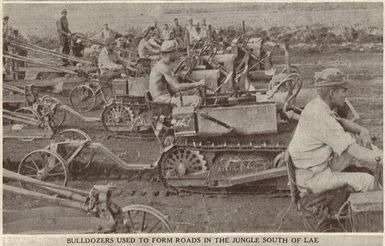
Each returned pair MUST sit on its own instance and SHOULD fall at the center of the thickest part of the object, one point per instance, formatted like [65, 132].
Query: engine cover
[256, 118]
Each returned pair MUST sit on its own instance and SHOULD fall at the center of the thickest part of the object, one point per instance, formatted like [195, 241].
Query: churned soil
[201, 212]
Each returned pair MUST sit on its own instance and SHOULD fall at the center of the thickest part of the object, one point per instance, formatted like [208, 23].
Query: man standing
[204, 30]
[7, 29]
[322, 145]
[196, 36]
[157, 31]
[163, 84]
[191, 29]
[64, 35]
[166, 33]
[104, 34]
[178, 33]
[7, 34]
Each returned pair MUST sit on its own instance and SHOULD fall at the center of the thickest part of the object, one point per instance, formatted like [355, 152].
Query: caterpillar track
[204, 165]
[127, 119]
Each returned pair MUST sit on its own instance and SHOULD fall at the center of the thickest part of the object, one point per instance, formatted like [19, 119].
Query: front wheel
[83, 98]
[44, 165]
[145, 219]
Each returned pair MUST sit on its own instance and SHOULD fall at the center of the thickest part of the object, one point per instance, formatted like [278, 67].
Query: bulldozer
[235, 137]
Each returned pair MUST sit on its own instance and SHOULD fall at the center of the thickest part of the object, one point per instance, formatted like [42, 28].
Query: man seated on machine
[322, 146]
[110, 64]
[164, 85]
[147, 49]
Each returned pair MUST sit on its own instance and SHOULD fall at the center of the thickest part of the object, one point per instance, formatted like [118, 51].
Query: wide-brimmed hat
[331, 77]
[168, 46]
[6, 17]
[64, 11]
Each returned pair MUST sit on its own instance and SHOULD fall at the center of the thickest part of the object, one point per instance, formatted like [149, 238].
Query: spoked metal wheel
[84, 158]
[117, 117]
[83, 98]
[145, 219]
[57, 118]
[44, 165]
[104, 95]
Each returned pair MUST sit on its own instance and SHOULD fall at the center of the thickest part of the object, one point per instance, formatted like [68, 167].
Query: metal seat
[157, 108]
[321, 212]
[143, 67]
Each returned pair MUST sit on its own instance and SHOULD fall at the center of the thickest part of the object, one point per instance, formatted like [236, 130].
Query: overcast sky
[39, 19]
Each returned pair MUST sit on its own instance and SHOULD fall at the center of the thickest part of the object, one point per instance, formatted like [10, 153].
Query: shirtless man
[145, 49]
[163, 84]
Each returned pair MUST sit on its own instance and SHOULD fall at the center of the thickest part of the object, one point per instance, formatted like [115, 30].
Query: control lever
[206, 116]
[377, 174]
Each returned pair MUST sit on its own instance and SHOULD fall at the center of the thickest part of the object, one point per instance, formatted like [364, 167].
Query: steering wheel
[202, 93]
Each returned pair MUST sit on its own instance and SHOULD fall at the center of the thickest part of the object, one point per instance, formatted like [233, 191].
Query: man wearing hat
[64, 34]
[7, 29]
[163, 84]
[322, 145]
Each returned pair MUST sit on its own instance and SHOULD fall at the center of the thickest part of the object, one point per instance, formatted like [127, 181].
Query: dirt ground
[212, 213]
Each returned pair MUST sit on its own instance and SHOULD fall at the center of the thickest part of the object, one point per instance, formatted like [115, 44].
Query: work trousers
[330, 175]
[65, 48]
[189, 98]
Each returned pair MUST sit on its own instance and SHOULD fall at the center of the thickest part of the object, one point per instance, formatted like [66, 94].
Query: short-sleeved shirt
[318, 136]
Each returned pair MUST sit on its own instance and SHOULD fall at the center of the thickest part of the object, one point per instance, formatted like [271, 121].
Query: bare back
[158, 84]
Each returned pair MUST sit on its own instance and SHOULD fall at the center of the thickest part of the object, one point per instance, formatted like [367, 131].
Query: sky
[40, 19]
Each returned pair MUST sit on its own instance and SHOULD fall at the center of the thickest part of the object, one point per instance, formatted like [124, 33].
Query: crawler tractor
[234, 137]
[224, 73]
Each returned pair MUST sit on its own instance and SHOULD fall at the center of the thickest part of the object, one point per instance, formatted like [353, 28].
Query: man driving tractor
[109, 62]
[322, 146]
[164, 85]
[145, 48]
[111, 65]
